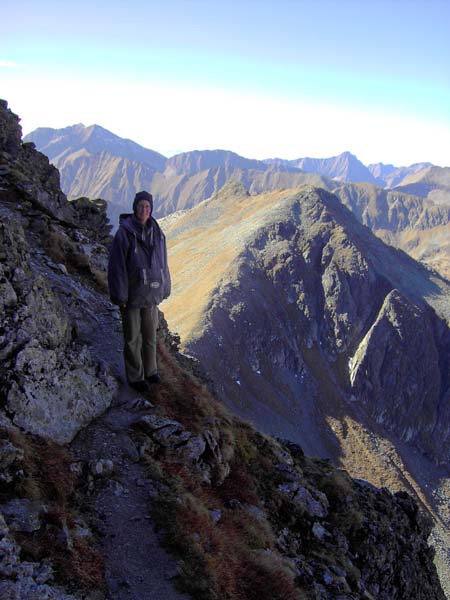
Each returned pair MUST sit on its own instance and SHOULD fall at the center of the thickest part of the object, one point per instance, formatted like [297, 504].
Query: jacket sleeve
[167, 280]
[117, 269]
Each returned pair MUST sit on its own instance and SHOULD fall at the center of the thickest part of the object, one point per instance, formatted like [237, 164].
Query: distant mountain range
[96, 163]
[408, 207]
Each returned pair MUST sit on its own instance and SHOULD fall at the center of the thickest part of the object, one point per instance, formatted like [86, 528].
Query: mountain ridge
[177, 171]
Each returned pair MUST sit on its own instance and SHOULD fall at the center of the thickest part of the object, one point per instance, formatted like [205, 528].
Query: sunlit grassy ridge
[203, 245]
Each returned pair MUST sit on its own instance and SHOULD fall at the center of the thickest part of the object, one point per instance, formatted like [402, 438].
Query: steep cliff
[245, 515]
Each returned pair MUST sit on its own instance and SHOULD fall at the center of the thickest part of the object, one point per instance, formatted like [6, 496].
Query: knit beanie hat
[142, 196]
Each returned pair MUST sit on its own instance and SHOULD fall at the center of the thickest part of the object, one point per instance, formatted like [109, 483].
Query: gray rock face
[24, 580]
[57, 393]
[30, 171]
[52, 387]
[395, 373]
[206, 453]
[10, 459]
[22, 515]
[10, 130]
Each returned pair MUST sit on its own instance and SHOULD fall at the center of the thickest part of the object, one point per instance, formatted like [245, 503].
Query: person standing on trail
[139, 279]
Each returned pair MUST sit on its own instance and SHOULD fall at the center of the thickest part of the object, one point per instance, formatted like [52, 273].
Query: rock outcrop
[395, 389]
[50, 383]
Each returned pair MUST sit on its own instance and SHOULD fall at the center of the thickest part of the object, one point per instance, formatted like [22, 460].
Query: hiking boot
[155, 378]
[139, 386]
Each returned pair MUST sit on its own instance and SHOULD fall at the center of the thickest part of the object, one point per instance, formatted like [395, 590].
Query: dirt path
[136, 566]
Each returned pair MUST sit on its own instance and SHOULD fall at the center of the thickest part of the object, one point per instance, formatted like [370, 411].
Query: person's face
[143, 211]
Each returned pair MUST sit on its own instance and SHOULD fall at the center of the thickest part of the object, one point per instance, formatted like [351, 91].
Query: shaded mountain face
[292, 285]
[298, 526]
[315, 330]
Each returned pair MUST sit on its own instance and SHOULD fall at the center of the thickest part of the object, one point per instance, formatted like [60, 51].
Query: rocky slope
[326, 281]
[298, 528]
[319, 332]
[418, 224]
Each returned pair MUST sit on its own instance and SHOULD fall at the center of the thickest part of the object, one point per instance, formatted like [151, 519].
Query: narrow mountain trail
[136, 565]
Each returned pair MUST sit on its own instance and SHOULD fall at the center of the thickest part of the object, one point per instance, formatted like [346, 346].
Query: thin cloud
[8, 64]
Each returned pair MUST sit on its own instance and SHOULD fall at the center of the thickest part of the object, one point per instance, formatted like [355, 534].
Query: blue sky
[287, 78]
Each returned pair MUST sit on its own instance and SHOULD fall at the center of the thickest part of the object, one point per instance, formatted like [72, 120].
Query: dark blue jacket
[138, 273]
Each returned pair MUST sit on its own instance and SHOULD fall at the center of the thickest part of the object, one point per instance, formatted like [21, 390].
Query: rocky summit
[108, 495]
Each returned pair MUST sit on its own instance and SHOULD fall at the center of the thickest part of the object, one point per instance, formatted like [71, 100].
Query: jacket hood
[129, 222]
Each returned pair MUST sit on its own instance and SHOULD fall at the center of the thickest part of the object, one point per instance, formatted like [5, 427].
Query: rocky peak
[59, 144]
[189, 163]
[344, 167]
[28, 179]
[10, 131]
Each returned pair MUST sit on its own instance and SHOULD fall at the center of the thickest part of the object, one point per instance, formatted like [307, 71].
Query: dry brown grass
[265, 578]
[240, 485]
[235, 558]
[47, 475]
[183, 397]
[84, 566]
[49, 480]
[224, 559]
[62, 250]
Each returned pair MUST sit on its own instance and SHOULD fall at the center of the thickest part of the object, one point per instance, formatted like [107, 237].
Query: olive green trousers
[139, 349]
